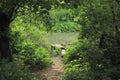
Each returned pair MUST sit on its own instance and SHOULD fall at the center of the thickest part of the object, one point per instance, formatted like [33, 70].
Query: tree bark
[102, 41]
[5, 52]
[5, 20]
[115, 26]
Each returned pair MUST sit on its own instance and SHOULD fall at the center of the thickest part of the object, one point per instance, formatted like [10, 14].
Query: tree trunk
[5, 52]
[114, 16]
[102, 41]
[4, 48]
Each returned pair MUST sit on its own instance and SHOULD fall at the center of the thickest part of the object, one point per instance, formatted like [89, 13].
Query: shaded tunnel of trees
[95, 55]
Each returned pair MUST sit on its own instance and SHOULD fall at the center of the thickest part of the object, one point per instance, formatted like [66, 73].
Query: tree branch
[13, 12]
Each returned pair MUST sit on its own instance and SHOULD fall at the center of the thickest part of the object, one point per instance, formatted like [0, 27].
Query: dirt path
[55, 72]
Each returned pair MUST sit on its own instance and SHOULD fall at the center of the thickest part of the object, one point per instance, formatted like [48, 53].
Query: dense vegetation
[63, 20]
[29, 50]
[96, 57]
[24, 25]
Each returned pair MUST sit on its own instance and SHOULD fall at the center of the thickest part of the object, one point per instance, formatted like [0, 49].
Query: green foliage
[96, 55]
[28, 44]
[75, 71]
[14, 71]
[75, 60]
[86, 62]
[23, 5]
[57, 51]
[104, 28]
[26, 29]
[66, 27]
[76, 50]
[99, 43]
[63, 20]
[33, 56]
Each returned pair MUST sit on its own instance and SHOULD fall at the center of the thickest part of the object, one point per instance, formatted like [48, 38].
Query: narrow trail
[55, 72]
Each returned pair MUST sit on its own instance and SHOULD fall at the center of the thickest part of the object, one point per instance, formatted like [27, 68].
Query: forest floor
[55, 72]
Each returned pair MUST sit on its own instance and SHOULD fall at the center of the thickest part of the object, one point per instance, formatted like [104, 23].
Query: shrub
[42, 57]
[76, 64]
[33, 56]
[72, 53]
[63, 20]
[57, 51]
[66, 26]
[27, 42]
[14, 71]
[75, 71]
[88, 62]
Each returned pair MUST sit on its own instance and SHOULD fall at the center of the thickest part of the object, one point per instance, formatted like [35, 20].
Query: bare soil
[55, 72]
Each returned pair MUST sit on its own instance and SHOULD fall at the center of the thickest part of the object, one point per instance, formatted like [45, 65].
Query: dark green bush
[14, 71]
[76, 67]
[76, 51]
[86, 62]
[75, 71]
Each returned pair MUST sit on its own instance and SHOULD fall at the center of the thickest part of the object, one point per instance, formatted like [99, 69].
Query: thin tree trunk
[102, 42]
[4, 39]
[115, 26]
[4, 48]
[114, 20]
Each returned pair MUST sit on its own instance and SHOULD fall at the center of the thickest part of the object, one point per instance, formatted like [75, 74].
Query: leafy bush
[73, 52]
[75, 71]
[64, 20]
[27, 30]
[88, 62]
[27, 42]
[33, 56]
[57, 51]
[66, 26]
[14, 71]
[76, 63]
